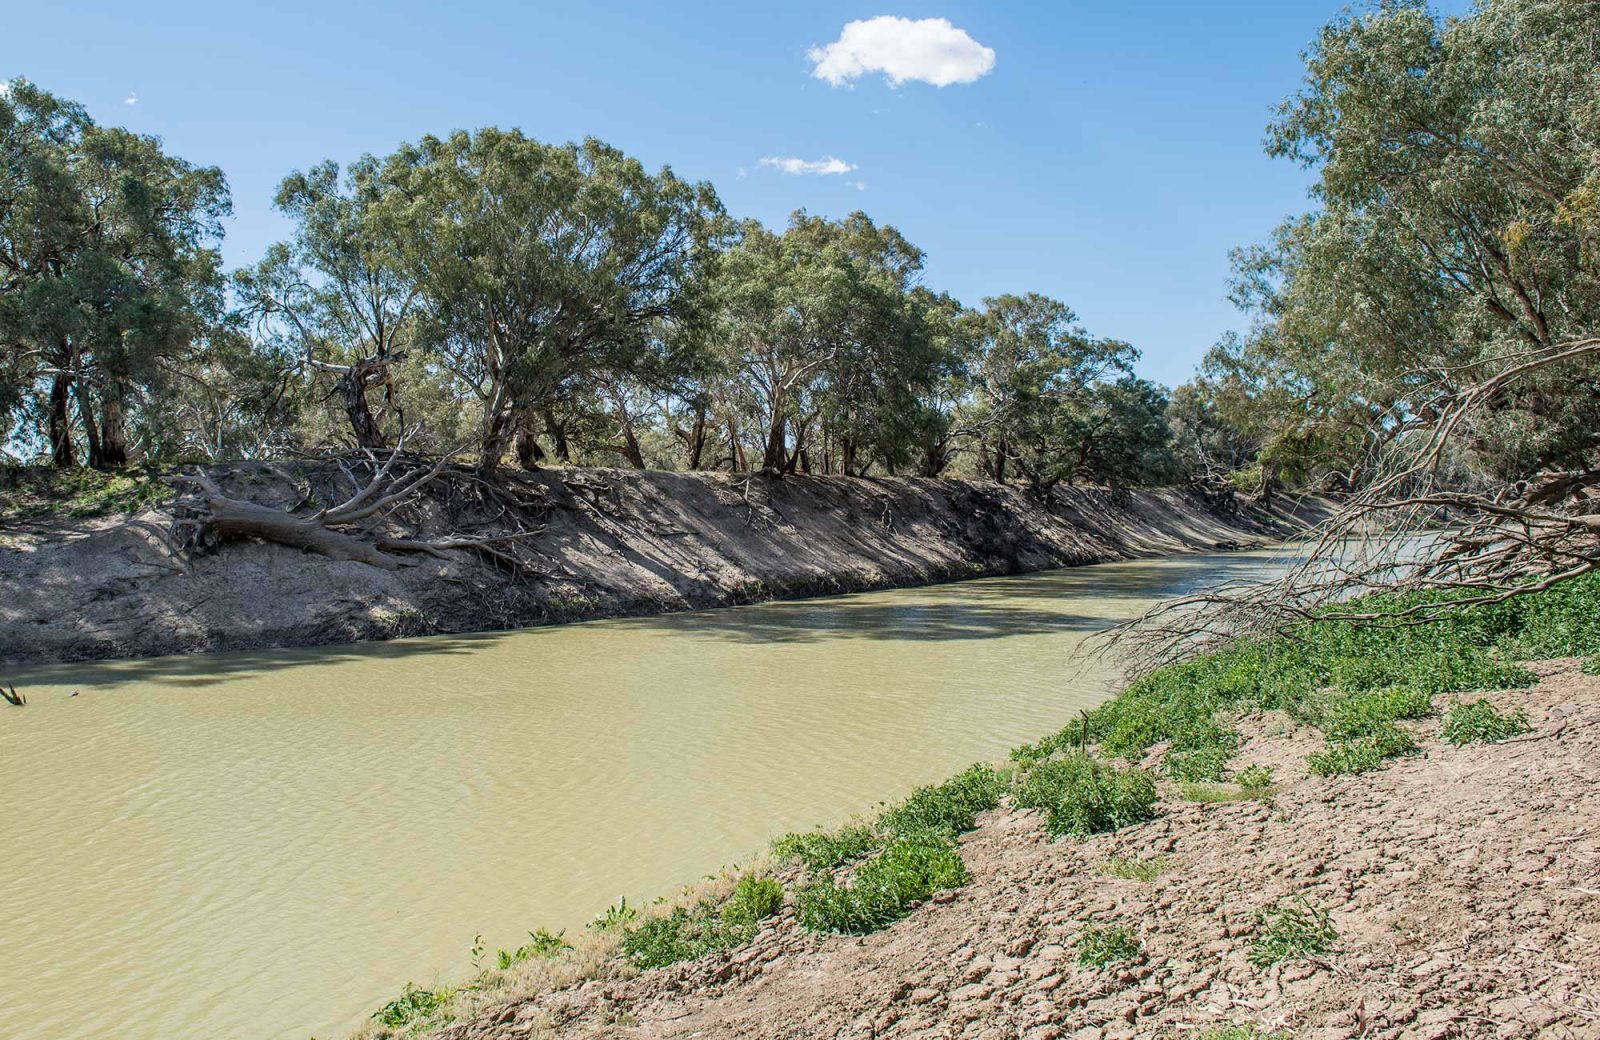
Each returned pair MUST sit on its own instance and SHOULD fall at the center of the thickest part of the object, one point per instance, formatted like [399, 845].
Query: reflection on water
[270, 844]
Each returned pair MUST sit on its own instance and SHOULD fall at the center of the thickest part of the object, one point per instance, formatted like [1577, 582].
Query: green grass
[1240, 1033]
[1214, 794]
[882, 889]
[1477, 722]
[34, 492]
[688, 933]
[1292, 929]
[1080, 795]
[1591, 665]
[1353, 681]
[1131, 868]
[1098, 947]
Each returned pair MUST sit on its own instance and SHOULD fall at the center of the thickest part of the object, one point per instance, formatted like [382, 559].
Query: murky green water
[269, 845]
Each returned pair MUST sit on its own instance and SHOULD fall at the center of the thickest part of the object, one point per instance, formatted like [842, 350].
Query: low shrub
[1098, 947]
[882, 889]
[614, 916]
[542, 943]
[820, 851]
[1291, 930]
[1082, 796]
[1362, 754]
[688, 933]
[948, 808]
[1254, 778]
[413, 1003]
[1478, 723]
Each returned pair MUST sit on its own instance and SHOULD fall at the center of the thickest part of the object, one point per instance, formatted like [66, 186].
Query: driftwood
[205, 517]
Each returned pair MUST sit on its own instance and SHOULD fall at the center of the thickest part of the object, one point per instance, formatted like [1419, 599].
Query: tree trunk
[630, 447]
[61, 454]
[352, 385]
[776, 453]
[493, 445]
[91, 427]
[529, 453]
[235, 518]
[113, 429]
[697, 438]
[558, 436]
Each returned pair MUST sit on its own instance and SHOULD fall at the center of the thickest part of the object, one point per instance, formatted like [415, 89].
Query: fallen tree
[357, 529]
[1416, 524]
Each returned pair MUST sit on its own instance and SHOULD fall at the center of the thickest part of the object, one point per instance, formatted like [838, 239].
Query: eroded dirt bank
[1464, 885]
[614, 542]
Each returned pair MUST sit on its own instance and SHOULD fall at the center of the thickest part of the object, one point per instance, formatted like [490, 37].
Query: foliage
[1290, 930]
[1591, 665]
[1098, 947]
[1082, 796]
[687, 933]
[31, 491]
[1477, 722]
[1353, 680]
[614, 916]
[882, 889]
[412, 1004]
[818, 851]
[542, 943]
[1254, 778]
[948, 808]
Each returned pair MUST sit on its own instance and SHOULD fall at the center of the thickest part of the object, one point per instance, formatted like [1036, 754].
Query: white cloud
[131, 99]
[859, 185]
[795, 167]
[930, 50]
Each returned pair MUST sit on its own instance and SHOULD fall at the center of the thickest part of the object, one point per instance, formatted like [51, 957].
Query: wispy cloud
[797, 167]
[929, 50]
[131, 99]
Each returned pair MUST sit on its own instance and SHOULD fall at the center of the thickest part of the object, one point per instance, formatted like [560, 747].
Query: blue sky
[1109, 157]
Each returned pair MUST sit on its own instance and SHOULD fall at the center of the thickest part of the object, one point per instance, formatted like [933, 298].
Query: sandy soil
[615, 542]
[1464, 884]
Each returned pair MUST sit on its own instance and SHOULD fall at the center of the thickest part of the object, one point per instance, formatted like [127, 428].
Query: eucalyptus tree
[543, 267]
[111, 272]
[1458, 229]
[335, 295]
[829, 341]
[1034, 386]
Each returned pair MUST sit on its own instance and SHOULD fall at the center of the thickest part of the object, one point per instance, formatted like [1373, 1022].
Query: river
[269, 845]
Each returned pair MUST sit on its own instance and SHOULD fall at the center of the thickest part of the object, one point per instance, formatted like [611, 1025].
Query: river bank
[1459, 885]
[612, 543]
[1353, 831]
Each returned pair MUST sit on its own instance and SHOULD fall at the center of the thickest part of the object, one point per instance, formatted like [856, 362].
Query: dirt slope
[614, 542]
[1464, 885]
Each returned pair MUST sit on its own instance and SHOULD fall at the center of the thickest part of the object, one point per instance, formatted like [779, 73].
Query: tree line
[524, 302]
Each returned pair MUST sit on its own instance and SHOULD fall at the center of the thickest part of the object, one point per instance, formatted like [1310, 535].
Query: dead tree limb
[205, 517]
